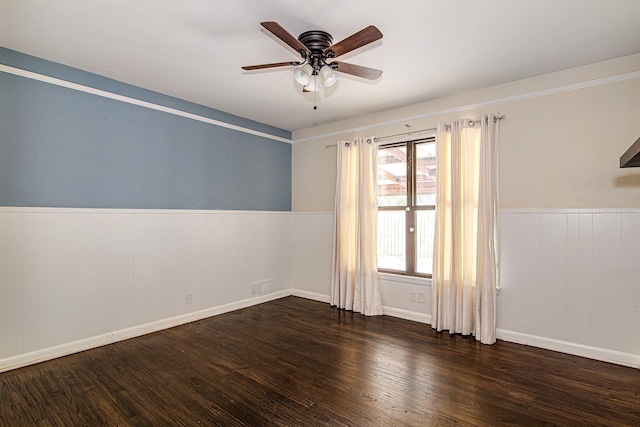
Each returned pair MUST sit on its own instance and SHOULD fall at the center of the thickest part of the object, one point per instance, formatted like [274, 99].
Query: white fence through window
[392, 243]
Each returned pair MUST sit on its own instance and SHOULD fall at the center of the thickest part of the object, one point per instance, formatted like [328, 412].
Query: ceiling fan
[317, 53]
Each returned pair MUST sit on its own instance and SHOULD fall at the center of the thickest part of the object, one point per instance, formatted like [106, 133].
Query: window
[406, 206]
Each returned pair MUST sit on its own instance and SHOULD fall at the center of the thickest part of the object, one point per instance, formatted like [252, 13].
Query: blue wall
[64, 148]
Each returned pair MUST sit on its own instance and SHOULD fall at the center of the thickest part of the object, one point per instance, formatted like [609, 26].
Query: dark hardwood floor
[296, 362]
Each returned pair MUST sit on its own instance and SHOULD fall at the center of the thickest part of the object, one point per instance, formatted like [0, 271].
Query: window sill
[412, 280]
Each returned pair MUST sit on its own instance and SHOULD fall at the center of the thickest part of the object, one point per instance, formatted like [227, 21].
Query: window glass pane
[426, 173]
[392, 176]
[391, 240]
[425, 231]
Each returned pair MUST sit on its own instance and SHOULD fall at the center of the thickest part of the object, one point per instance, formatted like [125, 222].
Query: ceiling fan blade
[357, 70]
[359, 39]
[285, 36]
[273, 65]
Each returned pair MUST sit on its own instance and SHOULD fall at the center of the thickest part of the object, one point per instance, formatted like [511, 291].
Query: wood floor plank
[295, 362]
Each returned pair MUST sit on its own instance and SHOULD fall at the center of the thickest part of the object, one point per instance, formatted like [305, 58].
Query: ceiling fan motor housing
[316, 41]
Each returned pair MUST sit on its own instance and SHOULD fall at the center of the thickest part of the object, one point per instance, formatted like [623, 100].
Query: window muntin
[406, 207]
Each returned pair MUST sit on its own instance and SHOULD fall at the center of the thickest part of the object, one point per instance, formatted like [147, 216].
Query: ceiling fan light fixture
[316, 47]
[314, 84]
[329, 75]
[303, 74]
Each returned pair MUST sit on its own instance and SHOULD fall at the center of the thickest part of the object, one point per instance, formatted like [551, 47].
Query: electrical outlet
[188, 298]
[421, 297]
[412, 296]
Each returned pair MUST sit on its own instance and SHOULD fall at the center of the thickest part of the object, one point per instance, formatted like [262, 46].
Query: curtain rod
[417, 131]
[392, 136]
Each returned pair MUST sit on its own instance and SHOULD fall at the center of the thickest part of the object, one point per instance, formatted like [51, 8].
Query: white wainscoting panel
[312, 252]
[572, 277]
[76, 277]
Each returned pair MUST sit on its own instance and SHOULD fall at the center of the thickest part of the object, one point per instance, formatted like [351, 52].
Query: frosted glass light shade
[314, 84]
[328, 75]
[303, 74]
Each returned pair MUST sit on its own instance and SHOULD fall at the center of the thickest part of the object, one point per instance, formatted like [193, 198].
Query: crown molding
[133, 101]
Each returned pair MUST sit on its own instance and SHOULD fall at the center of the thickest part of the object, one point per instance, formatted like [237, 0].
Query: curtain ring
[471, 123]
[347, 144]
[368, 140]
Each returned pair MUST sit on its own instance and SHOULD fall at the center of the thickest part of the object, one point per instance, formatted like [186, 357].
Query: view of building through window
[406, 207]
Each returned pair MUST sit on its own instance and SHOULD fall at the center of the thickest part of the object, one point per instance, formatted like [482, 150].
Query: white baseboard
[388, 311]
[14, 362]
[596, 353]
[407, 315]
[311, 295]
[49, 353]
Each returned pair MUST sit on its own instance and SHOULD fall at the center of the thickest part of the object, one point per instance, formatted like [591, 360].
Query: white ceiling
[193, 49]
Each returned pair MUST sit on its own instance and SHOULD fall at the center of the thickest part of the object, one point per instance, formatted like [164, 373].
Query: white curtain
[355, 265]
[465, 270]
